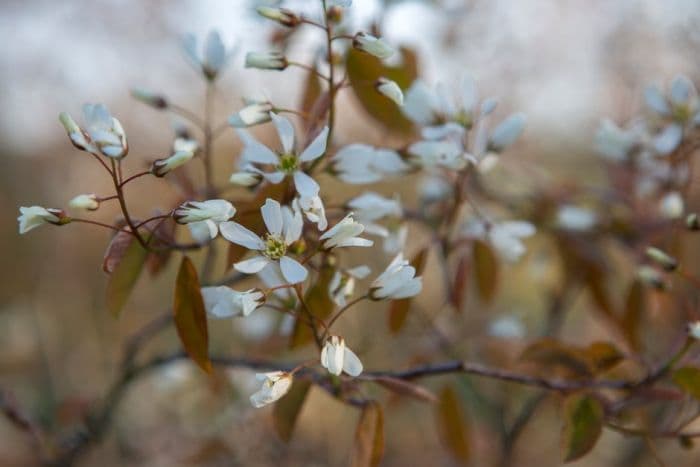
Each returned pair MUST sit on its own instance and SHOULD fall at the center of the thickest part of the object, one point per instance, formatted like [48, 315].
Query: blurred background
[565, 64]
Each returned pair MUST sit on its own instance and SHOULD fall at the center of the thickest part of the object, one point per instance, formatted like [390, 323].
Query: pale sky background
[564, 63]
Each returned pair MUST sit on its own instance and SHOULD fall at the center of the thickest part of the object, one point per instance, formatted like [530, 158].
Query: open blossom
[397, 281]
[204, 217]
[88, 202]
[390, 89]
[34, 216]
[506, 237]
[284, 228]
[224, 302]
[360, 164]
[679, 109]
[213, 56]
[371, 207]
[337, 358]
[345, 233]
[252, 114]
[313, 209]
[446, 154]
[103, 134]
[275, 385]
[286, 162]
[372, 45]
[342, 285]
[183, 150]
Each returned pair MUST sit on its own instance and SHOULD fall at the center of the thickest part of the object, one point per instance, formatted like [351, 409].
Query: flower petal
[255, 151]
[351, 363]
[272, 215]
[316, 148]
[292, 270]
[252, 265]
[285, 130]
[236, 233]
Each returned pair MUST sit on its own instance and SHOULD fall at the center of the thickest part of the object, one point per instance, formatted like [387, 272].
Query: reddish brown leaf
[550, 352]
[485, 264]
[288, 408]
[603, 355]
[452, 425]
[405, 388]
[635, 310]
[124, 261]
[369, 437]
[191, 316]
[458, 289]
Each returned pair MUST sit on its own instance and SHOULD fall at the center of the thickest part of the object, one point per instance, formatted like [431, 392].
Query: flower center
[464, 118]
[681, 113]
[275, 248]
[288, 163]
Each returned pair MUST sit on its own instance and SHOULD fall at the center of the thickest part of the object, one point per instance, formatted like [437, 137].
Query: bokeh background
[565, 64]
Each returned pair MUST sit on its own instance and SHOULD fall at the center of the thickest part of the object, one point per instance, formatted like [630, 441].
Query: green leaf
[455, 431]
[688, 379]
[364, 70]
[191, 316]
[123, 261]
[583, 424]
[398, 309]
[319, 303]
[288, 408]
[485, 270]
[369, 437]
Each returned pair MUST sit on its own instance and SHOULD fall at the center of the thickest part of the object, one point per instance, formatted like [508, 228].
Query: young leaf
[287, 409]
[485, 270]
[398, 309]
[583, 424]
[551, 352]
[191, 316]
[688, 379]
[369, 437]
[455, 431]
[124, 261]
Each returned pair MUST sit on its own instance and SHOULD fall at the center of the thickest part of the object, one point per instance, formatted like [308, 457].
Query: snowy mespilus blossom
[694, 329]
[506, 237]
[345, 233]
[342, 285]
[313, 209]
[575, 219]
[266, 60]
[87, 201]
[183, 150]
[275, 385]
[224, 302]
[213, 57]
[284, 228]
[337, 358]
[204, 217]
[34, 216]
[103, 134]
[359, 164]
[372, 45]
[287, 162]
[397, 281]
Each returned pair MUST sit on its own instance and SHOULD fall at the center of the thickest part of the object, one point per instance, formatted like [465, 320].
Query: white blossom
[507, 327]
[446, 154]
[360, 164]
[671, 205]
[34, 216]
[372, 45]
[336, 357]
[694, 329]
[371, 207]
[103, 134]
[266, 60]
[613, 142]
[287, 162]
[397, 281]
[313, 209]
[284, 228]
[275, 385]
[252, 114]
[224, 302]
[396, 238]
[507, 132]
[213, 57]
[506, 237]
[575, 218]
[342, 284]
[345, 233]
[87, 201]
[183, 150]
[204, 216]
[390, 89]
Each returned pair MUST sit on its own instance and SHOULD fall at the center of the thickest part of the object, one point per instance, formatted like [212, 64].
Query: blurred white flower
[434, 188]
[506, 237]
[507, 327]
[287, 162]
[224, 302]
[342, 285]
[34, 216]
[337, 358]
[575, 218]
[275, 385]
[213, 57]
[613, 142]
[345, 233]
[183, 150]
[280, 15]
[360, 164]
[371, 207]
[671, 206]
[447, 154]
[395, 239]
[266, 60]
[397, 281]
[284, 228]
[694, 329]
[204, 216]
[313, 209]
[372, 45]
[507, 132]
[103, 133]
[668, 139]
[251, 114]
[390, 89]
[87, 201]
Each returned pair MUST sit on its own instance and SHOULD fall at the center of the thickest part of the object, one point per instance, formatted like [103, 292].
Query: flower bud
[161, 167]
[75, 133]
[280, 15]
[250, 115]
[372, 45]
[692, 222]
[88, 202]
[34, 216]
[266, 61]
[694, 330]
[245, 178]
[390, 89]
[651, 277]
[662, 259]
[149, 98]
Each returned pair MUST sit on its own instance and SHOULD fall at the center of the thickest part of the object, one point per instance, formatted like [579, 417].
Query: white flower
[252, 114]
[507, 132]
[313, 209]
[266, 61]
[575, 218]
[342, 285]
[372, 45]
[280, 15]
[103, 133]
[284, 228]
[507, 327]
[668, 139]
[390, 89]
[613, 142]
[345, 233]
[434, 189]
[214, 55]
[694, 329]
[506, 237]
[88, 202]
[273, 279]
[34, 216]
[447, 154]
[395, 239]
[397, 281]
[224, 302]
[337, 358]
[287, 162]
[360, 164]
[204, 216]
[183, 150]
[371, 207]
[671, 205]
[275, 385]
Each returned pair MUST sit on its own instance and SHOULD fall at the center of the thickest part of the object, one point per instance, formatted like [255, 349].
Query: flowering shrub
[298, 254]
